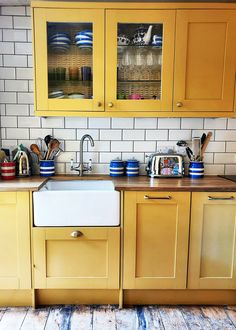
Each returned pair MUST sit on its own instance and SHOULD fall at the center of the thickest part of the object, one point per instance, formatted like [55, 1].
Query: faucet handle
[71, 164]
[90, 165]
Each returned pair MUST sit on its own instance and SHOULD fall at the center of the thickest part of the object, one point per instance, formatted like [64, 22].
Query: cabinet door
[205, 64]
[89, 261]
[69, 60]
[14, 241]
[212, 255]
[139, 60]
[156, 226]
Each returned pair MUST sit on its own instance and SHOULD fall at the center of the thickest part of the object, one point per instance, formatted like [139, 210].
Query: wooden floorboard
[110, 317]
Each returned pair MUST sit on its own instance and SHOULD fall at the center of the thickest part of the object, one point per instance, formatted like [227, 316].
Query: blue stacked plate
[157, 41]
[59, 42]
[84, 39]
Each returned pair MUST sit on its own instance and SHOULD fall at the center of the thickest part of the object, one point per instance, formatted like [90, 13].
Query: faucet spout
[81, 166]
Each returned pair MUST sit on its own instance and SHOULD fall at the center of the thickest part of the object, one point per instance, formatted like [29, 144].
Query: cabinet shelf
[158, 81]
[55, 83]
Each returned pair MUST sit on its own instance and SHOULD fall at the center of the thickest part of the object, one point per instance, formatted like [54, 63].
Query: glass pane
[70, 66]
[139, 50]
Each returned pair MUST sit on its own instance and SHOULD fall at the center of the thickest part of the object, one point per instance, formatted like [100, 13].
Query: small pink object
[135, 96]
[8, 170]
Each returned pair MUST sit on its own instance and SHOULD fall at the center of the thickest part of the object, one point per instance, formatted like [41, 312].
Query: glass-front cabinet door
[139, 60]
[69, 49]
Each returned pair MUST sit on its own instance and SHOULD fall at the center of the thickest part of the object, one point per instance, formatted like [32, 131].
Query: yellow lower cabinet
[156, 227]
[212, 255]
[81, 258]
[15, 270]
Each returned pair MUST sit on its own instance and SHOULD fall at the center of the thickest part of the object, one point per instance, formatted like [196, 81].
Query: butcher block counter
[141, 183]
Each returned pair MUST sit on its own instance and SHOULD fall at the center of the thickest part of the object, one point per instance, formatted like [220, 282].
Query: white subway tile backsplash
[110, 134]
[225, 158]
[190, 123]
[215, 123]
[53, 122]
[100, 169]
[229, 169]
[22, 22]
[216, 147]
[134, 134]
[99, 122]
[2, 85]
[1, 60]
[29, 35]
[29, 122]
[100, 146]
[16, 85]
[106, 157]
[15, 60]
[64, 134]
[145, 123]
[2, 112]
[180, 134]
[6, 47]
[7, 73]
[76, 122]
[212, 169]
[134, 155]
[6, 22]
[230, 146]
[30, 61]
[17, 109]
[87, 156]
[222, 135]
[7, 121]
[13, 10]
[26, 98]
[24, 73]
[72, 145]
[120, 146]
[144, 146]
[157, 134]
[36, 133]
[169, 123]
[231, 123]
[66, 157]
[23, 48]
[1, 35]
[28, 11]
[14, 35]
[7, 97]
[93, 132]
[122, 123]
[17, 133]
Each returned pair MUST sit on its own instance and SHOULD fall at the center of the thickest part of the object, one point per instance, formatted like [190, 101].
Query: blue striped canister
[46, 167]
[117, 167]
[132, 167]
[196, 170]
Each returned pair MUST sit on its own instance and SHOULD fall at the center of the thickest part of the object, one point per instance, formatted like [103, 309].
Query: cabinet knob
[110, 104]
[99, 104]
[179, 104]
[76, 234]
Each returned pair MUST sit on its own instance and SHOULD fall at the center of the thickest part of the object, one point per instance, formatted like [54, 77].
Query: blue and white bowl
[82, 37]
[86, 33]
[117, 168]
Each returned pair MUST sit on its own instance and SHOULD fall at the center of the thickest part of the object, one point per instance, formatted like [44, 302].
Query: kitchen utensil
[203, 138]
[205, 144]
[35, 149]
[189, 153]
[196, 148]
[53, 144]
[182, 143]
[47, 139]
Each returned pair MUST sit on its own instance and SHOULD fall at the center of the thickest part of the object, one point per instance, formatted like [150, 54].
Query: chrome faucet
[81, 168]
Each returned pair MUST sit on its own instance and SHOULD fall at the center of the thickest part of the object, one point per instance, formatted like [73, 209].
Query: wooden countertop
[143, 183]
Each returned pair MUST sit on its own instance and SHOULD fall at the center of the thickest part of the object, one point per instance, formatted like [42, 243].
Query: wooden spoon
[205, 143]
[35, 149]
[53, 144]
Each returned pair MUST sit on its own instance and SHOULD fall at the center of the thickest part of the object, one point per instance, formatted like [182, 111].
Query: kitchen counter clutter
[208, 183]
[174, 244]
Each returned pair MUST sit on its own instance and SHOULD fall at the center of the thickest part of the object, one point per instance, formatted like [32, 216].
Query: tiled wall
[114, 137]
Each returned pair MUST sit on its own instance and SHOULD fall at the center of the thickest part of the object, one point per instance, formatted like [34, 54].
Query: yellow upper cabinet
[69, 60]
[205, 60]
[131, 59]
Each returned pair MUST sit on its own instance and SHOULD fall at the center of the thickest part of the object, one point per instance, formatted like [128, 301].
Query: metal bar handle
[158, 197]
[212, 198]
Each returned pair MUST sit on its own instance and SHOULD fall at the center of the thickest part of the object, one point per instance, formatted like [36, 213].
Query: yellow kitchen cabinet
[156, 227]
[212, 254]
[15, 270]
[76, 258]
[205, 61]
[145, 60]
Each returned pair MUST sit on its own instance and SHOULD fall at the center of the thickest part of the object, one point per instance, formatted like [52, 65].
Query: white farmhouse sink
[77, 203]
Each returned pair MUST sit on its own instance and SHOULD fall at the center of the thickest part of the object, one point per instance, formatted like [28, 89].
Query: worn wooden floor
[110, 317]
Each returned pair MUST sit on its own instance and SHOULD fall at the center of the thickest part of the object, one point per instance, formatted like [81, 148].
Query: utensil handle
[205, 144]
[157, 197]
